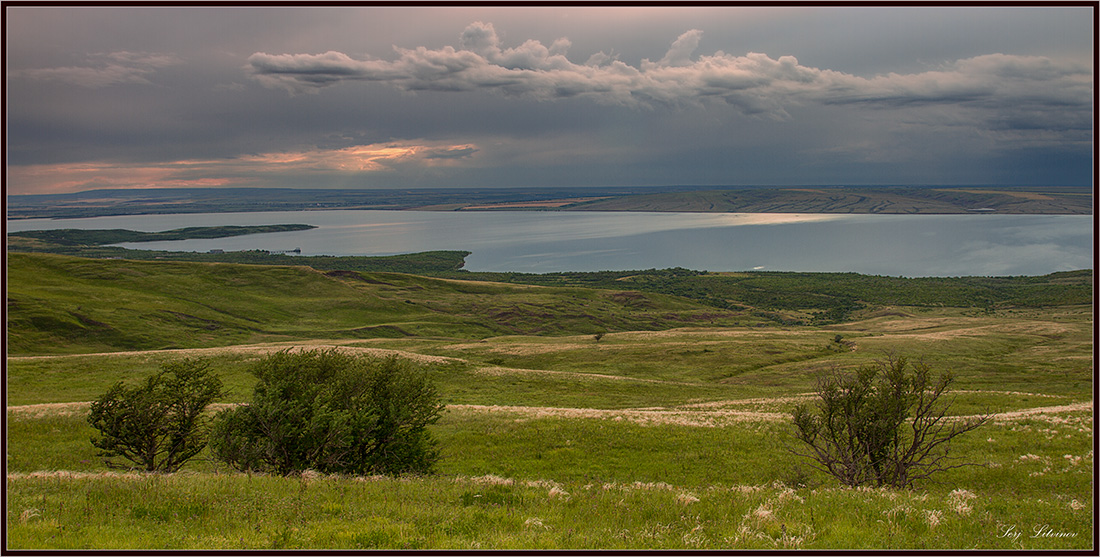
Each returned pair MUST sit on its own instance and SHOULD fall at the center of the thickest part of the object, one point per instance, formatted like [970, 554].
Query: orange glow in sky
[71, 177]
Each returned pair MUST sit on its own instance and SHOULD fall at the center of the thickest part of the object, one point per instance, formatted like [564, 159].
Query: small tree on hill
[332, 412]
[159, 424]
[883, 425]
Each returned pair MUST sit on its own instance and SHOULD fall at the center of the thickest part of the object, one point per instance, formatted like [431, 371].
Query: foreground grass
[511, 478]
[211, 511]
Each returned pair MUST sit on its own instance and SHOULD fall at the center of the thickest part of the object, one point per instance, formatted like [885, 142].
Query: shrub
[157, 425]
[883, 425]
[332, 412]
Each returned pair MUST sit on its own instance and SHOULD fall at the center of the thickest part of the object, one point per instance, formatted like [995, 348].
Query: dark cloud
[407, 97]
[755, 83]
[451, 152]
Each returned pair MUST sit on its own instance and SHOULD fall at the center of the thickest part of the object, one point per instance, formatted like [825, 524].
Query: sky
[430, 97]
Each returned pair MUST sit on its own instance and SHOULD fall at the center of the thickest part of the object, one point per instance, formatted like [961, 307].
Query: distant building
[982, 210]
[215, 251]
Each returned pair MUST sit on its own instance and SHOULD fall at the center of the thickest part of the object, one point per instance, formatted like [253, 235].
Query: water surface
[538, 242]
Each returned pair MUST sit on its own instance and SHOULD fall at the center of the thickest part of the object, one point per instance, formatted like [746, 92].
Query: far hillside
[787, 298]
[793, 298]
[64, 304]
[1063, 200]
[825, 199]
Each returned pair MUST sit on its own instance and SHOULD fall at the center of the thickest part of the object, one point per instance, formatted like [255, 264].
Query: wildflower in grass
[763, 512]
[962, 494]
[558, 493]
[791, 541]
[901, 509]
[746, 489]
[687, 498]
[958, 499]
[652, 485]
[933, 517]
[490, 479]
[695, 538]
[374, 478]
[788, 495]
[1076, 505]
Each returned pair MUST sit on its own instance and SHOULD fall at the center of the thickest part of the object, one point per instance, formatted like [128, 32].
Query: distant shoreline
[1046, 200]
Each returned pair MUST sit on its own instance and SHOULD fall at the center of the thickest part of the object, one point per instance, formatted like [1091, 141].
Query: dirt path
[714, 418]
[688, 415]
[496, 370]
[704, 414]
[258, 349]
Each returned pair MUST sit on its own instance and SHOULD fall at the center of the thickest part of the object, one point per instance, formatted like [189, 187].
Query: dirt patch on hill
[645, 416]
[688, 415]
[496, 370]
[1040, 328]
[889, 312]
[52, 409]
[259, 349]
[706, 414]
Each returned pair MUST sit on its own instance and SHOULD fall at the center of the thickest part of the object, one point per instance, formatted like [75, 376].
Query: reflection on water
[537, 242]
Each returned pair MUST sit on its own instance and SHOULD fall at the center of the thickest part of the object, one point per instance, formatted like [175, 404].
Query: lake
[540, 242]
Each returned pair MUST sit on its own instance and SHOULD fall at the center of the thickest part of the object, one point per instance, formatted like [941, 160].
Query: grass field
[671, 431]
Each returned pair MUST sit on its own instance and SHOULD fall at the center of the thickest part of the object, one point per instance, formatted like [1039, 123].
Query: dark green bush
[157, 425]
[332, 412]
[885, 424]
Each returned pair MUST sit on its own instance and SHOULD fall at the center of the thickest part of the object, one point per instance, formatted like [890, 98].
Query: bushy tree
[159, 424]
[884, 425]
[332, 412]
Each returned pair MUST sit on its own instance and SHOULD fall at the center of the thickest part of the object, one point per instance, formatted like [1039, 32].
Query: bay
[540, 242]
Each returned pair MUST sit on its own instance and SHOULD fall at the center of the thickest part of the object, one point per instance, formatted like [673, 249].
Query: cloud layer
[1035, 88]
[103, 70]
[303, 97]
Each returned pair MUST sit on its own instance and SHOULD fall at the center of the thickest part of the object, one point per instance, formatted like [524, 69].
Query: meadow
[670, 429]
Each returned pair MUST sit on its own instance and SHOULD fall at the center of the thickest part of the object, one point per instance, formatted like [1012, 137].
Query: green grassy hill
[61, 304]
[94, 237]
[669, 432]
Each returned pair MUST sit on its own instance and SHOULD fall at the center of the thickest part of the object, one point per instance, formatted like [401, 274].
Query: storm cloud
[485, 96]
[755, 83]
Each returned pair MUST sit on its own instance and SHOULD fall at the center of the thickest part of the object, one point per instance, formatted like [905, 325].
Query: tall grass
[212, 511]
